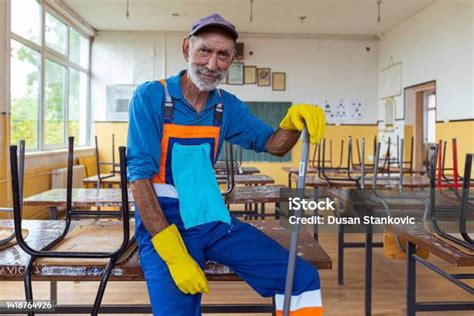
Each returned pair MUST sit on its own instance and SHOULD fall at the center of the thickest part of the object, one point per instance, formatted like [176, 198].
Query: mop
[290, 274]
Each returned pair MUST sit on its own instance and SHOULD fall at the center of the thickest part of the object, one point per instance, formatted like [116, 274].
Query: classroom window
[77, 106]
[24, 94]
[56, 34]
[45, 114]
[54, 114]
[26, 19]
[430, 117]
[78, 48]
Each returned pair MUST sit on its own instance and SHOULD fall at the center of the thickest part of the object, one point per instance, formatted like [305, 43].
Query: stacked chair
[48, 250]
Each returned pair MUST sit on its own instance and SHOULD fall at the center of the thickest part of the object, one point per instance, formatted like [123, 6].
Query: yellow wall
[464, 133]
[408, 134]
[37, 174]
[105, 130]
[37, 180]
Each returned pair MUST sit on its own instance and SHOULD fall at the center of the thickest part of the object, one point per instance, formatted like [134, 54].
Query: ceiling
[323, 17]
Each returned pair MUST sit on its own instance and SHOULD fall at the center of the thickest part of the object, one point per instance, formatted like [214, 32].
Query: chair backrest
[21, 177]
[229, 168]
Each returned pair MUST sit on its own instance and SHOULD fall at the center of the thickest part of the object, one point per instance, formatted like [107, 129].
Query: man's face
[209, 55]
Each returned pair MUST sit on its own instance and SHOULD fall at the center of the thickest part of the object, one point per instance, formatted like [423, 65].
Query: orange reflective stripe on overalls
[185, 135]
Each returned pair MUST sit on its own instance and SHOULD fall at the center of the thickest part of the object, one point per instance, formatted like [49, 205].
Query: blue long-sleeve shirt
[239, 125]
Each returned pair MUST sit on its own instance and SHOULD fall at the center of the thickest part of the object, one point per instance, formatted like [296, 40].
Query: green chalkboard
[271, 113]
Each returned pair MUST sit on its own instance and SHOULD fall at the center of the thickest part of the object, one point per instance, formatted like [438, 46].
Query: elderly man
[177, 127]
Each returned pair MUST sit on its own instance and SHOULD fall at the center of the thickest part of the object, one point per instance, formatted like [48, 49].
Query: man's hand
[300, 115]
[186, 273]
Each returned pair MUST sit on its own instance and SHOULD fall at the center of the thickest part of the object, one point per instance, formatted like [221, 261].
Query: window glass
[26, 19]
[78, 48]
[432, 101]
[55, 81]
[24, 94]
[431, 126]
[77, 116]
[56, 34]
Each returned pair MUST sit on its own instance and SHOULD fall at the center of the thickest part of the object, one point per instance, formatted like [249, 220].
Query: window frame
[427, 111]
[47, 53]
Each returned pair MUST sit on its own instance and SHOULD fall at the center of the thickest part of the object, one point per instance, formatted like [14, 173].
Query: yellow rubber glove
[312, 116]
[186, 273]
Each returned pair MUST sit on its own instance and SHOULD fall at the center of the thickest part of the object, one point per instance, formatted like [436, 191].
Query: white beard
[201, 84]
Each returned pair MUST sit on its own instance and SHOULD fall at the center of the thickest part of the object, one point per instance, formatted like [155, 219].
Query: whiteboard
[391, 81]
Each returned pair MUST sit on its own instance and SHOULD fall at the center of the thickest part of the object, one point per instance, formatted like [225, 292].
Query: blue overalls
[252, 255]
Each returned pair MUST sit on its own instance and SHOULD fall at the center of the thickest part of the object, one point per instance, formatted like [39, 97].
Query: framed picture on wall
[278, 81]
[250, 74]
[236, 74]
[263, 77]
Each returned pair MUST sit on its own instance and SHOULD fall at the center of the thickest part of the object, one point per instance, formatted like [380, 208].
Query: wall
[436, 44]
[316, 68]
[38, 169]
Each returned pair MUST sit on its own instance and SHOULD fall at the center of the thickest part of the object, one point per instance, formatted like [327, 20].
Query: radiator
[59, 177]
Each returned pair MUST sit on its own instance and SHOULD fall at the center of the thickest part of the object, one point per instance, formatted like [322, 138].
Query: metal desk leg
[368, 270]
[411, 280]
[262, 210]
[273, 306]
[53, 292]
[247, 207]
[53, 287]
[315, 226]
[316, 232]
[53, 213]
[340, 255]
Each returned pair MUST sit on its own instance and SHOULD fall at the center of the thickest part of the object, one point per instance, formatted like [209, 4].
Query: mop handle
[296, 227]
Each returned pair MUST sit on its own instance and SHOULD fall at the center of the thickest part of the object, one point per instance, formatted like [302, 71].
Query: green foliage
[24, 110]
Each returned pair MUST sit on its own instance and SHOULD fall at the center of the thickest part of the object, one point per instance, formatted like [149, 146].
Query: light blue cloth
[200, 200]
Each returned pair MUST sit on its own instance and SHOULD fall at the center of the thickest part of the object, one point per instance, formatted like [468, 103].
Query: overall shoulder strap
[219, 109]
[169, 106]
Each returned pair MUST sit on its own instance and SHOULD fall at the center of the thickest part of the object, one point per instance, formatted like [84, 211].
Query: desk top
[13, 259]
[412, 182]
[254, 179]
[80, 198]
[239, 179]
[221, 167]
[418, 235]
[112, 197]
[105, 179]
[260, 194]
[295, 170]
[407, 200]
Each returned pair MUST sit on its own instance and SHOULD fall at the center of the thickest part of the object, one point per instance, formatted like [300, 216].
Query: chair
[47, 251]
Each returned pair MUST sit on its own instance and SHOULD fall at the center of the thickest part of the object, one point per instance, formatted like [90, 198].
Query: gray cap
[215, 20]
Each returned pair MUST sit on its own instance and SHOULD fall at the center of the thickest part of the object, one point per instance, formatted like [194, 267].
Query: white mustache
[217, 75]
